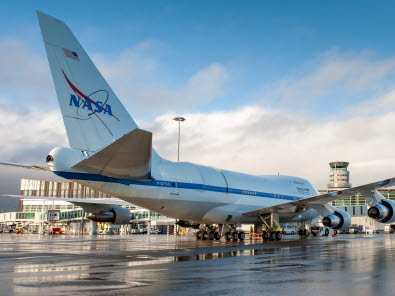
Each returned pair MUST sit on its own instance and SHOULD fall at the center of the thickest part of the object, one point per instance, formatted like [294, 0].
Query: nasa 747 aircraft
[110, 153]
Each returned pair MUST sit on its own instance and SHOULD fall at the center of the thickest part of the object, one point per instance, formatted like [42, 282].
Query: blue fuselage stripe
[171, 184]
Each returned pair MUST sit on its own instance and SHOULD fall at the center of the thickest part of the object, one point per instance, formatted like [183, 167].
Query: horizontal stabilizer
[77, 201]
[128, 158]
[32, 167]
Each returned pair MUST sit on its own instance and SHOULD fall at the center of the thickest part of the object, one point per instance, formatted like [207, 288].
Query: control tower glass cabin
[339, 176]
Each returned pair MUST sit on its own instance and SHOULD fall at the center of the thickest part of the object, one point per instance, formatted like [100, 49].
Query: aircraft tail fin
[93, 115]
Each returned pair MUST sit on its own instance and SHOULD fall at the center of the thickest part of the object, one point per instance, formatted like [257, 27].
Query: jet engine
[337, 220]
[184, 223]
[383, 211]
[116, 215]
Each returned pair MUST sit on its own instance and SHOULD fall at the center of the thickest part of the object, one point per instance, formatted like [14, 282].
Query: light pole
[179, 119]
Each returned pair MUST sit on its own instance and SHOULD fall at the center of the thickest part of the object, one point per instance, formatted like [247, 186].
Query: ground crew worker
[278, 228]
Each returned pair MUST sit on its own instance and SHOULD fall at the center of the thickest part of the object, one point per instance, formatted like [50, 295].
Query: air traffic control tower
[339, 176]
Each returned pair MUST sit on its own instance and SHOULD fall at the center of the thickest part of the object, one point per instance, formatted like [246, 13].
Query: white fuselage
[199, 193]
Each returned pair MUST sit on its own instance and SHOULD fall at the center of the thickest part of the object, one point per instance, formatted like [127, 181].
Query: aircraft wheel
[199, 235]
[242, 236]
[235, 236]
[217, 236]
[306, 232]
[211, 235]
[278, 235]
[327, 232]
[272, 235]
[265, 236]
[228, 236]
[301, 232]
[204, 235]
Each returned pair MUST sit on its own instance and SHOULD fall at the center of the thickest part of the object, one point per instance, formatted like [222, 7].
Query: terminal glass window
[23, 216]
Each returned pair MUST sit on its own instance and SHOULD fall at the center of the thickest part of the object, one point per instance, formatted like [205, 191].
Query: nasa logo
[89, 105]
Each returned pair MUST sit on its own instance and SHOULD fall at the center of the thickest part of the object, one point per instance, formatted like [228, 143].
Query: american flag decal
[71, 54]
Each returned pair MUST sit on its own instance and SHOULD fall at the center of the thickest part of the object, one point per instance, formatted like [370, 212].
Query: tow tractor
[322, 231]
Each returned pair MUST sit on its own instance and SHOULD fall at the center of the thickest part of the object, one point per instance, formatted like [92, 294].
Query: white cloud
[30, 135]
[135, 75]
[27, 137]
[140, 83]
[263, 141]
[251, 139]
[334, 76]
[379, 104]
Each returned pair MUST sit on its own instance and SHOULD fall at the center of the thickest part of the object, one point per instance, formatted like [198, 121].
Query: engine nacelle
[116, 215]
[184, 223]
[337, 220]
[383, 211]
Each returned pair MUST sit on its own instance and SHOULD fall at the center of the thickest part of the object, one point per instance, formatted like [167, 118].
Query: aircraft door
[214, 177]
[174, 189]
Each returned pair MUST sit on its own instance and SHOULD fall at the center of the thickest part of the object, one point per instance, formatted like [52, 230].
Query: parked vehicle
[321, 231]
[289, 229]
[355, 229]
[389, 228]
[368, 230]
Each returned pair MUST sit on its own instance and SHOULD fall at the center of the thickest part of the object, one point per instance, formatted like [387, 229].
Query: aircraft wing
[33, 167]
[77, 201]
[323, 198]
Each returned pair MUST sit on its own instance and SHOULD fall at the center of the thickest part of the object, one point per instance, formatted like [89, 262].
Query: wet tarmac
[161, 265]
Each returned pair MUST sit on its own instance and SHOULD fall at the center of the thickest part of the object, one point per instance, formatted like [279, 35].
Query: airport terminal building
[38, 215]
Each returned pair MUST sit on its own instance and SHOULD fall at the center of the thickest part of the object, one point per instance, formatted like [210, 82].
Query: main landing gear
[208, 233]
[271, 229]
[272, 235]
[234, 235]
[303, 232]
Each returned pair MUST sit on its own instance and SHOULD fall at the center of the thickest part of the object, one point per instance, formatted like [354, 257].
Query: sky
[266, 87]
